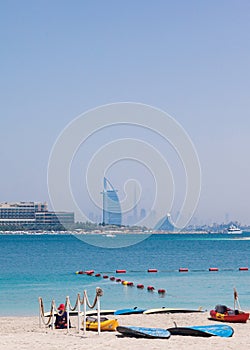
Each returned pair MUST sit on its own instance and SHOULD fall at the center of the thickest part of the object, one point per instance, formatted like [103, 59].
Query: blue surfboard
[203, 331]
[135, 310]
[143, 332]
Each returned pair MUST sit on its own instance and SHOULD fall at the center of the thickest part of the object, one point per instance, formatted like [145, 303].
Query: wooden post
[40, 312]
[84, 313]
[67, 309]
[98, 315]
[78, 312]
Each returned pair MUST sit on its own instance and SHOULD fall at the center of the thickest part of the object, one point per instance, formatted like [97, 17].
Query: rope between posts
[84, 301]
[42, 315]
[99, 293]
[78, 299]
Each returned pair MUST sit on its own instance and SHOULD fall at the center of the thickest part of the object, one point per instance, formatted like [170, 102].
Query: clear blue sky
[189, 58]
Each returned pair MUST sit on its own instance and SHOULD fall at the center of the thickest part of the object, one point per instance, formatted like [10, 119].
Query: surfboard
[203, 331]
[88, 313]
[71, 313]
[170, 310]
[143, 332]
[102, 312]
[135, 310]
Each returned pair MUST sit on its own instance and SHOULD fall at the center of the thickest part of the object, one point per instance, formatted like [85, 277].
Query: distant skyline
[190, 59]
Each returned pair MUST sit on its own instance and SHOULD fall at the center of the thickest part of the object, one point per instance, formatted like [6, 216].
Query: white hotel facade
[32, 213]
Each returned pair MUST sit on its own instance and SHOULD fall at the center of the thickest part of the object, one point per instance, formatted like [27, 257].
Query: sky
[190, 59]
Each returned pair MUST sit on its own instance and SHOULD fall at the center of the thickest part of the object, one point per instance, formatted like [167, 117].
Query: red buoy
[152, 270]
[150, 288]
[97, 275]
[213, 269]
[112, 278]
[161, 291]
[243, 268]
[118, 280]
[183, 269]
[80, 272]
[130, 284]
[120, 271]
[89, 272]
[140, 286]
[105, 276]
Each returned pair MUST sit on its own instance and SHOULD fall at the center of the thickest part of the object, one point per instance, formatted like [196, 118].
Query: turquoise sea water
[45, 265]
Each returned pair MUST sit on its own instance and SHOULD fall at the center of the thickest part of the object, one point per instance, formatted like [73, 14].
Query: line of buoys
[152, 270]
[161, 291]
[183, 269]
[125, 283]
[150, 288]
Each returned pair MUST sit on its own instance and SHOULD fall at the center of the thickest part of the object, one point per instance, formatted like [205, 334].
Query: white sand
[24, 333]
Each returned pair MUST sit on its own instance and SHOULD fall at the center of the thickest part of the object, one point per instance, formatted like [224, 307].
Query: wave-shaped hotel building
[111, 205]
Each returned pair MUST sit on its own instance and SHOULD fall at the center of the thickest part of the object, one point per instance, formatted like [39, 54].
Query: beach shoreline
[24, 333]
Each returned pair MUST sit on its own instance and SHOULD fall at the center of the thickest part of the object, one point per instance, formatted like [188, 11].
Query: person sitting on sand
[61, 318]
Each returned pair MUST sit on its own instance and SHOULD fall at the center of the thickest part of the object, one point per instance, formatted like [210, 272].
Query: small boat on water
[110, 235]
[106, 324]
[225, 314]
[234, 229]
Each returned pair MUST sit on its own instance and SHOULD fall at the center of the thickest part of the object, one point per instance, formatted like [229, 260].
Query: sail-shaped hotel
[111, 205]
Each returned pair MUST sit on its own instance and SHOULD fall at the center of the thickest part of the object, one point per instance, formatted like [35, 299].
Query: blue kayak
[204, 331]
[143, 332]
[135, 310]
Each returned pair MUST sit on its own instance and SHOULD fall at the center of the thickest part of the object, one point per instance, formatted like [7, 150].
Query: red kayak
[225, 314]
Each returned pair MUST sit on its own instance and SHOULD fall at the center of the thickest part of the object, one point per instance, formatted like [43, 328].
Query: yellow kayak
[106, 324]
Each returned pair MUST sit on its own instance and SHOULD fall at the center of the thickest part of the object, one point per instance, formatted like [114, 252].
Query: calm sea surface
[45, 265]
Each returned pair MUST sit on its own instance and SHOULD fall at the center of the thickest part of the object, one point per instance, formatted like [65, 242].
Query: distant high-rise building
[135, 206]
[111, 205]
[142, 213]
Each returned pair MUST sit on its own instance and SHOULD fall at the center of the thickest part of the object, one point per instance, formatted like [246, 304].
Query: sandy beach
[24, 333]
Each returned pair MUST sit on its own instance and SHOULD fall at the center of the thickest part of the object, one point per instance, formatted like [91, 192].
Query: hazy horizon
[190, 59]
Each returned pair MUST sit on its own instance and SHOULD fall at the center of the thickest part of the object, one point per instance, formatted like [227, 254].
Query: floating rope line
[160, 291]
[68, 307]
[150, 288]
[91, 272]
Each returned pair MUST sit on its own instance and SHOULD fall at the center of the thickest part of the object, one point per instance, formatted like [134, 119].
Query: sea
[45, 265]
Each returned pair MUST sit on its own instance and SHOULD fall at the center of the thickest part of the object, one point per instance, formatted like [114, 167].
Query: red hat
[61, 307]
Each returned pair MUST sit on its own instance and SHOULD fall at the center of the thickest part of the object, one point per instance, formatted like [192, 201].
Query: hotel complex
[32, 214]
